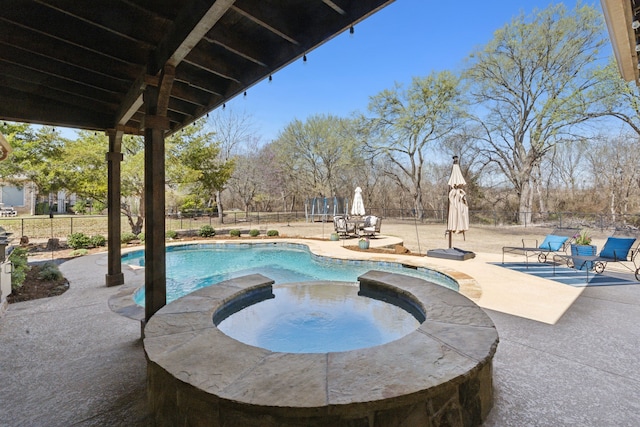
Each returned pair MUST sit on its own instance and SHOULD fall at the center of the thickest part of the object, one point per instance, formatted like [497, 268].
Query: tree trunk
[219, 206]
[293, 203]
[612, 205]
[537, 182]
[136, 226]
[525, 204]
[418, 206]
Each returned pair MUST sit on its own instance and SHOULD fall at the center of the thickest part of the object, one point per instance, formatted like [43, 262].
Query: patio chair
[371, 226]
[341, 226]
[619, 248]
[558, 241]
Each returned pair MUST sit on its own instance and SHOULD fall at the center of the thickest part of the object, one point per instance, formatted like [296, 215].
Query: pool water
[194, 266]
[318, 318]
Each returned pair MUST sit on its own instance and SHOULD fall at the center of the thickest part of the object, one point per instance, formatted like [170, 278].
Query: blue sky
[406, 39]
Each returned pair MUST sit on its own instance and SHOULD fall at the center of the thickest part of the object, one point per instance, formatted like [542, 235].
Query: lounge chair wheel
[638, 274]
[570, 263]
[598, 267]
[542, 257]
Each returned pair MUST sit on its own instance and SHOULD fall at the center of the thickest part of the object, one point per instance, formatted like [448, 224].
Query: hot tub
[441, 373]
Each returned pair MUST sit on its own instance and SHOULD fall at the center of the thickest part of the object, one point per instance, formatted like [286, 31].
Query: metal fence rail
[44, 227]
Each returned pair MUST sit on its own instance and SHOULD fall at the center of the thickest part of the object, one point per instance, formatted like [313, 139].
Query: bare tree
[615, 164]
[405, 124]
[533, 80]
[231, 131]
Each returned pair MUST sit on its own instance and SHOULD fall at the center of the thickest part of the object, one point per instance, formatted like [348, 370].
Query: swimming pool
[195, 266]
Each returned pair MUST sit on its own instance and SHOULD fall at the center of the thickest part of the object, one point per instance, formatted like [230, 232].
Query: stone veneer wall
[440, 374]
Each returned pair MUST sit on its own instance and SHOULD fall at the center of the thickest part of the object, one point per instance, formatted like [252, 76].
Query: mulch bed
[34, 287]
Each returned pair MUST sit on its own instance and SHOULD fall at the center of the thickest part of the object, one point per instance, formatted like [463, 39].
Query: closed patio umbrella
[357, 208]
[458, 218]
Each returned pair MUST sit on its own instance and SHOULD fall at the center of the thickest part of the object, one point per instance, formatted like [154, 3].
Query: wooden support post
[156, 123]
[114, 275]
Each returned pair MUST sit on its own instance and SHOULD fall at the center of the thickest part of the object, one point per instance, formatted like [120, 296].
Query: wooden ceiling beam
[197, 78]
[61, 70]
[241, 51]
[191, 94]
[34, 110]
[134, 23]
[194, 21]
[264, 24]
[211, 63]
[334, 6]
[165, 87]
[51, 49]
[132, 101]
[45, 80]
[48, 94]
[85, 57]
[71, 31]
[190, 26]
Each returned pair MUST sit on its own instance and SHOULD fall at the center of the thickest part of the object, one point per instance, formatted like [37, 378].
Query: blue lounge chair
[558, 241]
[618, 248]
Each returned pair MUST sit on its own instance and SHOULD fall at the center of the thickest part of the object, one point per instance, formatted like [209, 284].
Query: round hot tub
[319, 317]
[441, 373]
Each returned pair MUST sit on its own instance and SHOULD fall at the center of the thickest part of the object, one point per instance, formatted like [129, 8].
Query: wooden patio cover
[150, 67]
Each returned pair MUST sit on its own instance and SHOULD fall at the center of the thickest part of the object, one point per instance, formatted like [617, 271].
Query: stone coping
[122, 302]
[452, 348]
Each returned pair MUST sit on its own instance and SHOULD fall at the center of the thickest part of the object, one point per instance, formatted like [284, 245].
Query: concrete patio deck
[567, 356]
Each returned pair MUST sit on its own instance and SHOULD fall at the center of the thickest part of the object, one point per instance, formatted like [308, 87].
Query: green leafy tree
[33, 156]
[194, 163]
[533, 80]
[132, 182]
[404, 124]
[81, 168]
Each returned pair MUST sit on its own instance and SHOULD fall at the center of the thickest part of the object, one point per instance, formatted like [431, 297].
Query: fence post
[22, 227]
[71, 225]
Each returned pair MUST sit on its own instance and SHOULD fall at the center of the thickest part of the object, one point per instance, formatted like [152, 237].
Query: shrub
[18, 258]
[80, 207]
[98, 207]
[272, 233]
[50, 271]
[234, 232]
[254, 232]
[98, 240]
[79, 252]
[141, 237]
[171, 234]
[206, 231]
[78, 241]
[127, 237]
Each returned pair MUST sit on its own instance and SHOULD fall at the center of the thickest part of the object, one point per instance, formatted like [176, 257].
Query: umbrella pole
[448, 231]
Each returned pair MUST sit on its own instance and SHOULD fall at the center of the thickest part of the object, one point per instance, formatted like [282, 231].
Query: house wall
[21, 198]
